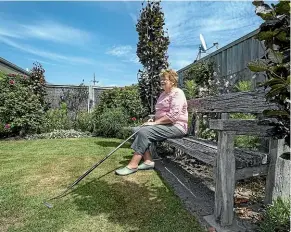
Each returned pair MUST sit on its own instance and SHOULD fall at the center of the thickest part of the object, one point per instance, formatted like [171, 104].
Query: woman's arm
[163, 120]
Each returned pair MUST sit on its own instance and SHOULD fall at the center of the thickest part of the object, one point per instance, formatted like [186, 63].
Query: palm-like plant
[275, 32]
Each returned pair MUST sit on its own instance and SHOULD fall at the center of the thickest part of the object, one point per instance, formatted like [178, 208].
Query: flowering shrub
[20, 109]
[37, 82]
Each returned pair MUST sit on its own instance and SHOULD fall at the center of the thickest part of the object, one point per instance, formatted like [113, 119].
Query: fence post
[90, 98]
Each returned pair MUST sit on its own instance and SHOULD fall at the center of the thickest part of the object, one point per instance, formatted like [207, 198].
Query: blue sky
[72, 40]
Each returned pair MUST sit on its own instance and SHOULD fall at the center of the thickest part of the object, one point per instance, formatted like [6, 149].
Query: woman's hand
[149, 123]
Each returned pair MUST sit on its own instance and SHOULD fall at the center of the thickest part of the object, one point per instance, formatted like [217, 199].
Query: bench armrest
[239, 126]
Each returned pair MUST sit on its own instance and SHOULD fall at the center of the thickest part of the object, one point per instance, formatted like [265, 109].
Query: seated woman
[171, 121]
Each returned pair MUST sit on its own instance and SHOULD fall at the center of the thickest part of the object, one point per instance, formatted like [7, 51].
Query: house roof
[13, 66]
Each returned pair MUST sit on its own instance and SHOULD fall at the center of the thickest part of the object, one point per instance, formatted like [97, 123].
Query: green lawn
[31, 171]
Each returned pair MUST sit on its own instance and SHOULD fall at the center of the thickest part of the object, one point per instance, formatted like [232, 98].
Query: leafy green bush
[118, 110]
[245, 141]
[243, 86]
[110, 122]
[21, 111]
[276, 217]
[59, 134]
[126, 97]
[190, 89]
[201, 72]
[57, 119]
[275, 64]
[204, 131]
[124, 133]
[84, 121]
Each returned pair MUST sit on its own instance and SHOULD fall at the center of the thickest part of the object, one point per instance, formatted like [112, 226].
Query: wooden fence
[232, 59]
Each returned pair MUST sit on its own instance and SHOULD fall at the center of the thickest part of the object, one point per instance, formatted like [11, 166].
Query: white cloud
[47, 30]
[134, 18]
[134, 59]
[120, 51]
[125, 52]
[9, 33]
[45, 54]
[43, 62]
[53, 31]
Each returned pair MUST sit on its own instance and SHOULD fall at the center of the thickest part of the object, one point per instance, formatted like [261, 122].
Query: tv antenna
[94, 80]
[203, 48]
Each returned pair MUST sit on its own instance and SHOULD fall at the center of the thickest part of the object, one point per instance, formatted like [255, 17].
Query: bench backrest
[240, 102]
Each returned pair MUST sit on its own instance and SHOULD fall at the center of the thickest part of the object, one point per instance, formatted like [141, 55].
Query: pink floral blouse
[174, 106]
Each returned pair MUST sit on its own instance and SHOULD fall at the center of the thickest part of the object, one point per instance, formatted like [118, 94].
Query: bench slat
[240, 126]
[240, 102]
[242, 158]
[245, 173]
[199, 151]
[206, 151]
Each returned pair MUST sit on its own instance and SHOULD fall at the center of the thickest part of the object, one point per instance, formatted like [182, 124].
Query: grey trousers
[154, 133]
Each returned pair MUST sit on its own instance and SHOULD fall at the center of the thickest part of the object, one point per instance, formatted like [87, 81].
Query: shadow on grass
[134, 206]
[106, 143]
[126, 160]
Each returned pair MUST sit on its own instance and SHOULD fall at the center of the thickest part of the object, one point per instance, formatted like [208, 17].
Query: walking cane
[88, 171]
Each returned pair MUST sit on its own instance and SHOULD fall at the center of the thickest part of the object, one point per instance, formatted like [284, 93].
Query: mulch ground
[249, 194]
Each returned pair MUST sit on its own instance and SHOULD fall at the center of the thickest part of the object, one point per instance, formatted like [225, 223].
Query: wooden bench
[230, 163]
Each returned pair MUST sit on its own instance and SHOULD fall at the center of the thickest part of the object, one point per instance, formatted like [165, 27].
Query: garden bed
[249, 194]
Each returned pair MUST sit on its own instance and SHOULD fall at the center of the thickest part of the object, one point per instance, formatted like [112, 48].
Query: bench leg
[275, 150]
[225, 179]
